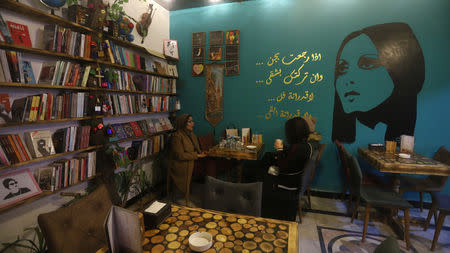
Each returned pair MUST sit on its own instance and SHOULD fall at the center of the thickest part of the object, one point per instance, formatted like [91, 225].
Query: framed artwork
[198, 54]
[232, 37]
[232, 52]
[171, 49]
[17, 186]
[198, 69]
[215, 53]
[198, 39]
[232, 68]
[216, 38]
[214, 93]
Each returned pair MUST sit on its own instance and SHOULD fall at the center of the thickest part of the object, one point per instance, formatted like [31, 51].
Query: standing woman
[184, 149]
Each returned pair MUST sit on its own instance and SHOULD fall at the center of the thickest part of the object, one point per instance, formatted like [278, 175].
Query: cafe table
[241, 155]
[230, 232]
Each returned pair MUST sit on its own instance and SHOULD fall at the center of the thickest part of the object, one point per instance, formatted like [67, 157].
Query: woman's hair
[296, 130]
[181, 121]
[401, 55]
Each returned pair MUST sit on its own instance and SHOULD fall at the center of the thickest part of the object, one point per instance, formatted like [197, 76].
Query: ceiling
[173, 5]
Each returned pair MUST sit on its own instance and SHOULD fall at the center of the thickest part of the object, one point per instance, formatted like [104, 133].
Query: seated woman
[279, 201]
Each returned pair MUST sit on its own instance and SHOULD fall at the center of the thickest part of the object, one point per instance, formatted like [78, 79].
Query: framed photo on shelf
[170, 48]
[232, 68]
[198, 69]
[17, 186]
[215, 53]
[232, 52]
[198, 39]
[216, 38]
[198, 54]
[232, 37]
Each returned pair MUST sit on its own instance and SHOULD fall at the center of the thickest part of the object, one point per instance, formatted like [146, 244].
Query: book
[5, 66]
[48, 36]
[28, 75]
[39, 143]
[45, 178]
[128, 130]
[143, 126]
[13, 63]
[136, 128]
[9, 151]
[151, 128]
[5, 108]
[19, 34]
[4, 31]
[47, 72]
[123, 230]
[119, 131]
[157, 125]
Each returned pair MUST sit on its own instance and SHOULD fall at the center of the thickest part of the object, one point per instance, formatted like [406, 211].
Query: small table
[231, 232]
[246, 154]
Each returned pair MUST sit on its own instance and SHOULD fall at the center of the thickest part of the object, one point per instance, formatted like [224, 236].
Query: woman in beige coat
[184, 149]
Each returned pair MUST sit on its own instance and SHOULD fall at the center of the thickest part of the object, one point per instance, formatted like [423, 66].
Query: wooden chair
[377, 197]
[344, 168]
[304, 182]
[440, 203]
[427, 184]
[308, 191]
[210, 165]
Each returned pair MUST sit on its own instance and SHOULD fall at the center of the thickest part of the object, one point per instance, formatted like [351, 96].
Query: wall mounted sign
[232, 68]
[198, 54]
[232, 37]
[215, 53]
[171, 49]
[216, 38]
[198, 69]
[198, 39]
[214, 93]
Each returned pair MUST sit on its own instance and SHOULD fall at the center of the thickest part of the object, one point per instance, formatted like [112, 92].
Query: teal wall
[293, 26]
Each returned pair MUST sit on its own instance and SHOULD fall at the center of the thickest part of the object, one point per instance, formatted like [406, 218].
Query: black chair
[319, 155]
[377, 197]
[389, 245]
[233, 197]
[427, 184]
[440, 203]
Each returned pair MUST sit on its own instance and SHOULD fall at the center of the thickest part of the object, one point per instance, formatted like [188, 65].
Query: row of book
[123, 56]
[66, 172]
[71, 138]
[64, 40]
[64, 73]
[140, 128]
[48, 106]
[129, 104]
[14, 69]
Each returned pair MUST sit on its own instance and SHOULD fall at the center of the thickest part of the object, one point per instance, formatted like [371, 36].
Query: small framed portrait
[232, 37]
[232, 52]
[215, 53]
[198, 54]
[17, 186]
[198, 39]
[198, 69]
[232, 68]
[171, 49]
[216, 38]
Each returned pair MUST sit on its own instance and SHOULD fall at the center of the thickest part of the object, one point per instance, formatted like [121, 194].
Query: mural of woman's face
[362, 82]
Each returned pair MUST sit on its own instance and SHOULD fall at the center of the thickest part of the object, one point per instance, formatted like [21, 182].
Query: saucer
[251, 147]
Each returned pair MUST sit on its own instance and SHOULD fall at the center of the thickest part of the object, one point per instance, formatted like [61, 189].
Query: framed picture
[198, 39]
[171, 49]
[198, 69]
[232, 37]
[232, 68]
[214, 93]
[216, 38]
[215, 53]
[232, 52]
[198, 54]
[17, 186]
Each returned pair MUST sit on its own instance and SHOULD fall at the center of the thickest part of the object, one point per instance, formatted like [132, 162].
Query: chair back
[306, 176]
[319, 155]
[233, 197]
[355, 175]
[343, 157]
[206, 141]
[443, 156]
[78, 227]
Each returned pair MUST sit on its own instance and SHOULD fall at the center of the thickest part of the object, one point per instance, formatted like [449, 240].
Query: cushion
[389, 245]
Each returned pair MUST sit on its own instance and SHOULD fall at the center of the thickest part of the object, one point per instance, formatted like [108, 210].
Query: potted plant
[35, 247]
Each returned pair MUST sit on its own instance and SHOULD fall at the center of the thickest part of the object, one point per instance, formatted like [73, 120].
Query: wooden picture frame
[198, 54]
[215, 53]
[16, 186]
[232, 37]
[170, 48]
[198, 69]
[216, 38]
[232, 68]
[198, 39]
[214, 93]
[232, 52]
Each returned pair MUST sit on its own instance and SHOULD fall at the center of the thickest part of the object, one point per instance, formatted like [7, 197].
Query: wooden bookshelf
[77, 88]
[40, 159]
[133, 69]
[148, 136]
[43, 195]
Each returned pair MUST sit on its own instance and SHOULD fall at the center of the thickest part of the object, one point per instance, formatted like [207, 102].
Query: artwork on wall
[215, 53]
[171, 49]
[232, 68]
[198, 54]
[198, 69]
[232, 52]
[391, 81]
[17, 186]
[198, 39]
[232, 37]
[214, 93]
[216, 38]
[145, 21]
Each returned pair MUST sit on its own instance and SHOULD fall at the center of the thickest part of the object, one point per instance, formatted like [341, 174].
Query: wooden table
[231, 232]
[246, 154]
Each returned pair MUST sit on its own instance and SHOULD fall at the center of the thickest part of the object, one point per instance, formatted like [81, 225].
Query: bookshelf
[94, 63]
